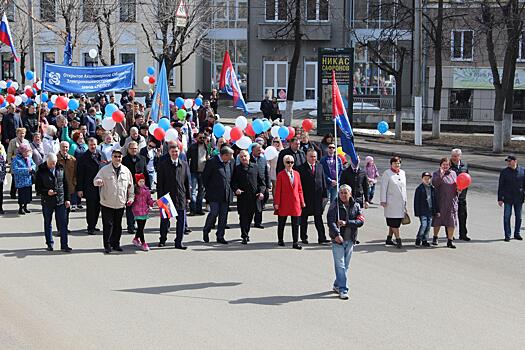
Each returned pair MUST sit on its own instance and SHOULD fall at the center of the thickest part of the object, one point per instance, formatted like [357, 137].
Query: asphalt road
[264, 297]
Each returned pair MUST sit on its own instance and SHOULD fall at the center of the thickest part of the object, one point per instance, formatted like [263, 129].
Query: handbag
[406, 219]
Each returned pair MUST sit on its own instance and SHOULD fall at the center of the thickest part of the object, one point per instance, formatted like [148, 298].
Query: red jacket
[289, 198]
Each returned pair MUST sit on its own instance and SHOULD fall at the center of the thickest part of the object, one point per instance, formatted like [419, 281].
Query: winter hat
[139, 177]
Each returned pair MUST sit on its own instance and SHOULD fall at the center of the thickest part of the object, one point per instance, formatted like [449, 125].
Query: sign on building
[481, 78]
[340, 60]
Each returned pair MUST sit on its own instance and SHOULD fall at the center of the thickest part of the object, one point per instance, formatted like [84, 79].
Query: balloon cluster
[12, 87]
[242, 132]
[283, 132]
[184, 104]
[163, 131]
[149, 79]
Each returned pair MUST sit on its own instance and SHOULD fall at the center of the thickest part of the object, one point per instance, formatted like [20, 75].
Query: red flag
[226, 64]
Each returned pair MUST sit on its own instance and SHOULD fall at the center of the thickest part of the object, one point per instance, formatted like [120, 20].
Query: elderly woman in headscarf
[50, 140]
[23, 168]
[38, 149]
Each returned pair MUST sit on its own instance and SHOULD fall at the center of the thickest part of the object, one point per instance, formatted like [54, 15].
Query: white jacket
[394, 193]
[115, 192]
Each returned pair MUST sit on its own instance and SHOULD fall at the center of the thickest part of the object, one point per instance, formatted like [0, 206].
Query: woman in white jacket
[394, 199]
[50, 142]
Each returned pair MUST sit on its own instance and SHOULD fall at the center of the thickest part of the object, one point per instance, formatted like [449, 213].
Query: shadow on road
[179, 287]
[284, 299]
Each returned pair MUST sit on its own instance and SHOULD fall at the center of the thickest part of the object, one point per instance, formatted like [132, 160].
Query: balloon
[11, 90]
[275, 130]
[198, 101]
[30, 75]
[54, 98]
[93, 53]
[73, 104]
[151, 80]
[18, 101]
[241, 122]
[236, 133]
[3, 104]
[251, 147]
[227, 131]
[111, 108]
[3, 84]
[38, 99]
[15, 85]
[267, 125]
[179, 102]
[50, 104]
[188, 103]
[159, 134]
[283, 132]
[8, 83]
[150, 70]
[249, 130]
[2, 100]
[152, 128]
[131, 93]
[10, 98]
[146, 80]
[258, 126]
[463, 181]
[291, 133]
[218, 130]
[24, 98]
[60, 102]
[271, 153]
[108, 124]
[44, 98]
[39, 85]
[307, 125]
[28, 92]
[382, 127]
[118, 116]
[244, 142]
[181, 114]
[164, 123]
[340, 151]
[171, 135]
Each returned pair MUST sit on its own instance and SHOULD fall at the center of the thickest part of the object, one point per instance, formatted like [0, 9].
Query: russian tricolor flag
[341, 118]
[166, 206]
[5, 36]
[229, 83]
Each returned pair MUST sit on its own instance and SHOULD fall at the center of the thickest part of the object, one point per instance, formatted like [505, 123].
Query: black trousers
[281, 222]
[462, 217]
[180, 227]
[140, 230]
[112, 225]
[92, 213]
[319, 226]
[12, 192]
[1, 195]
[245, 220]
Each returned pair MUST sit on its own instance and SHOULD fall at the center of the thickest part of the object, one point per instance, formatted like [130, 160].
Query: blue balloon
[179, 102]
[29, 102]
[50, 104]
[198, 102]
[3, 104]
[150, 70]
[164, 123]
[382, 127]
[218, 130]
[267, 125]
[110, 108]
[250, 147]
[30, 75]
[283, 132]
[73, 104]
[44, 97]
[258, 126]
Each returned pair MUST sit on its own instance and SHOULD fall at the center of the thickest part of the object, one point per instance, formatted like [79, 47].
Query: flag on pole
[229, 83]
[6, 38]
[166, 206]
[341, 119]
[68, 52]
[160, 106]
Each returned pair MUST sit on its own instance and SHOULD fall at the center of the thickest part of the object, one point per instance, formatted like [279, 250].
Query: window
[89, 11]
[462, 45]
[369, 79]
[380, 13]
[230, 13]
[276, 10]
[317, 10]
[47, 10]
[276, 79]
[460, 104]
[8, 66]
[88, 61]
[47, 57]
[128, 10]
[310, 80]
[518, 109]
[128, 58]
[521, 50]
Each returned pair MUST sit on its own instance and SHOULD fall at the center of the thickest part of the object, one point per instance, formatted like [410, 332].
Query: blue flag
[341, 119]
[160, 106]
[68, 52]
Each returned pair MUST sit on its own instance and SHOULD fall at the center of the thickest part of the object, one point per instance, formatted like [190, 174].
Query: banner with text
[481, 78]
[72, 79]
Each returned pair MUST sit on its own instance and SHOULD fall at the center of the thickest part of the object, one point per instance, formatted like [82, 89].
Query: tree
[104, 16]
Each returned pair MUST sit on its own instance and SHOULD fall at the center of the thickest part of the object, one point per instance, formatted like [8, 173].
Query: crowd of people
[71, 160]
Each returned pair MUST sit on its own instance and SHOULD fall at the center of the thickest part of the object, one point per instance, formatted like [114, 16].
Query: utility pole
[31, 35]
[418, 99]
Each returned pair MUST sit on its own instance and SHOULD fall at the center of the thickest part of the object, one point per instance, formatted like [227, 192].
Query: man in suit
[315, 196]
[262, 167]
[10, 123]
[217, 183]
[136, 164]
[248, 185]
[173, 177]
[88, 166]
[295, 151]
[356, 178]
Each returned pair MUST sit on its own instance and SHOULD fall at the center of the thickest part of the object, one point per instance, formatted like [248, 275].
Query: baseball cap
[510, 157]
[426, 173]
[117, 150]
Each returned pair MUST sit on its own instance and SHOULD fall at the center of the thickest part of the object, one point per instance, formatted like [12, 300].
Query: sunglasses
[331, 147]
[115, 156]
[289, 162]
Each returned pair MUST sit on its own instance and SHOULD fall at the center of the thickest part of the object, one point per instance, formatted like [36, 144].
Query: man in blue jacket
[510, 194]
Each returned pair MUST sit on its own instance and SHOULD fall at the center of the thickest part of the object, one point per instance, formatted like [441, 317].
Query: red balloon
[35, 86]
[159, 133]
[61, 102]
[1, 99]
[291, 133]
[131, 93]
[463, 181]
[10, 98]
[308, 125]
[249, 130]
[236, 133]
[11, 90]
[118, 116]
[29, 92]
[151, 80]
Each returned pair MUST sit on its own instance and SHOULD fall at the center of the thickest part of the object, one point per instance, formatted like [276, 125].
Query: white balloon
[38, 99]
[244, 142]
[39, 85]
[108, 124]
[18, 101]
[188, 103]
[24, 98]
[152, 128]
[3, 84]
[271, 153]
[93, 53]
[15, 85]
[145, 80]
[171, 135]
[275, 131]
[226, 135]
[241, 122]
[54, 98]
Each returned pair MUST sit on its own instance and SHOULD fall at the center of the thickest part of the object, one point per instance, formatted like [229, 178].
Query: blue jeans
[219, 209]
[342, 254]
[332, 193]
[197, 192]
[60, 212]
[371, 191]
[507, 212]
[424, 227]
[152, 179]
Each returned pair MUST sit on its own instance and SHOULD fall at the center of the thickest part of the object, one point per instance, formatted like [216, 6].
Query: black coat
[174, 180]
[87, 168]
[30, 122]
[314, 188]
[251, 183]
[193, 156]
[266, 108]
[358, 181]
[421, 204]
[137, 166]
[217, 180]
[511, 184]
[45, 181]
[144, 152]
[8, 128]
[299, 158]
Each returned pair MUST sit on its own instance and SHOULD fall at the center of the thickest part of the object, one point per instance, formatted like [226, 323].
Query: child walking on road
[141, 206]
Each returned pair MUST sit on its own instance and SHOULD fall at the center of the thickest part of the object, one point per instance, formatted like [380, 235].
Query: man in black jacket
[197, 155]
[217, 177]
[511, 195]
[173, 177]
[293, 150]
[358, 181]
[88, 166]
[152, 153]
[30, 122]
[51, 184]
[315, 196]
[136, 164]
[248, 185]
[9, 125]
[460, 167]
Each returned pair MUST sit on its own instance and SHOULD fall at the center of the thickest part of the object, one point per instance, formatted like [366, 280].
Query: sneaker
[136, 242]
[425, 244]
[73, 208]
[518, 237]
[145, 247]
[418, 242]
[344, 296]
[335, 290]
[80, 207]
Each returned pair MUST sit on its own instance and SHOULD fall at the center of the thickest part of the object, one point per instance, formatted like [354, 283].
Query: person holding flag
[228, 83]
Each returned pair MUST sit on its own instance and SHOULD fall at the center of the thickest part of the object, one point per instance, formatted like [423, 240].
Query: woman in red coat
[288, 200]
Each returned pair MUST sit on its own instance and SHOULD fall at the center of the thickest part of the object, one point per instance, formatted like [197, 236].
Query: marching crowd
[71, 160]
